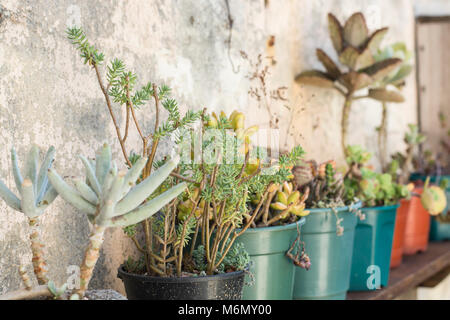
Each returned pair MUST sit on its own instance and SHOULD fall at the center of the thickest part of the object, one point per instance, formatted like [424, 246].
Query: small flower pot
[439, 228]
[372, 249]
[417, 226]
[224, 286]
[399, 233]
[330, 254]
[271, 269]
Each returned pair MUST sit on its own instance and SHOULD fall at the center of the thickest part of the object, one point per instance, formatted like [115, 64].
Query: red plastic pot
[399, 233]
[417, 226]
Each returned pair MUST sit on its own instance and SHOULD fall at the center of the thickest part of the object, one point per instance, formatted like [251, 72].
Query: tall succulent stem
[382, 137]
[39, 264]
[345, 121]
[90, 258]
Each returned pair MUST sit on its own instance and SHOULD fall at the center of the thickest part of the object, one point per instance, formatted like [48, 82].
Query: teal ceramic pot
[439, 229]
[331, 255]
[273, 272]
[372, 248]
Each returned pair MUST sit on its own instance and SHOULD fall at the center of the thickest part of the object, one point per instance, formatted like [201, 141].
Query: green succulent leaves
[36, 194]
[111, 198]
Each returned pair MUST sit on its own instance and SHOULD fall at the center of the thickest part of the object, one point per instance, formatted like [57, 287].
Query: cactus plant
[110, 199]
[356, 49]
[36, 194]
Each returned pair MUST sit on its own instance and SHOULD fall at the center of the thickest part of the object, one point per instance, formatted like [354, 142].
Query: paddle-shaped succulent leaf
[36, 194]
[112, 198]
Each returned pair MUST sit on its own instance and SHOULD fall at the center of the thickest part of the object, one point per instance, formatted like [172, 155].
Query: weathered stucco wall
[47, 96]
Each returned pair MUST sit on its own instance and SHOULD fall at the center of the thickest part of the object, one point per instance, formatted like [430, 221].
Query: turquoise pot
[330, 254]
[372, 249]
[439, 231]
[273, 272]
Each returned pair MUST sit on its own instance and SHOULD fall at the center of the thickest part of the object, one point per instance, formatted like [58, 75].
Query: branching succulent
[111, 199]
[373, 189]
[401, 165]
[356, 49]
[120, 88]
[36, 194]
[394, 79]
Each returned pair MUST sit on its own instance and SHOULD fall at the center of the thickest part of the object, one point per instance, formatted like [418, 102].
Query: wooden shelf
[413, 271]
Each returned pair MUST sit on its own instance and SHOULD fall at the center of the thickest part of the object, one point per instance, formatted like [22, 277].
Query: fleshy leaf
[354, 80]
[375, 40]
[315, 78]
[381, 69]
[355, 30]
[328, 63]
[386, 95]
[336, 33]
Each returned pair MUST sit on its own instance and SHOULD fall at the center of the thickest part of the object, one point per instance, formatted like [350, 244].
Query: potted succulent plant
[380, 195]
[436, 166]
[189, 249]
[328, 232]
[275, 214]
[357, 50]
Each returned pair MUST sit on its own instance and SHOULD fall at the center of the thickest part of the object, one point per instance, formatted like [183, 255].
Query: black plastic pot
[224, 286]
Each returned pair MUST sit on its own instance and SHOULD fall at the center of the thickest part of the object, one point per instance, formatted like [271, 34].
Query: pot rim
[383, 208]
[215, 277]
[357, 205]
[275, 228]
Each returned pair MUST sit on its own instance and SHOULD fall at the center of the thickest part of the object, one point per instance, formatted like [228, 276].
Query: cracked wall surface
[48, 97]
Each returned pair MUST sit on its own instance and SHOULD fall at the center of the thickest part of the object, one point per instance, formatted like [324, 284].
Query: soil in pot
[372, 249]
[399, 233]
[224, 286]
[272, 272]
[330, 254]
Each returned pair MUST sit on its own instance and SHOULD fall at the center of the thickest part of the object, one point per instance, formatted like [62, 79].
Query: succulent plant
[111, 199]
[356, 49]
[326, 185]
[372, 188]
[384, 94]
[289, 201]
[401, 165]
[36, 194]
[236, 122]
[433, 199]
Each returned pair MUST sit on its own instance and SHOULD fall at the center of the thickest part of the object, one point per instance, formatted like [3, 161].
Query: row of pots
[357, 260]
